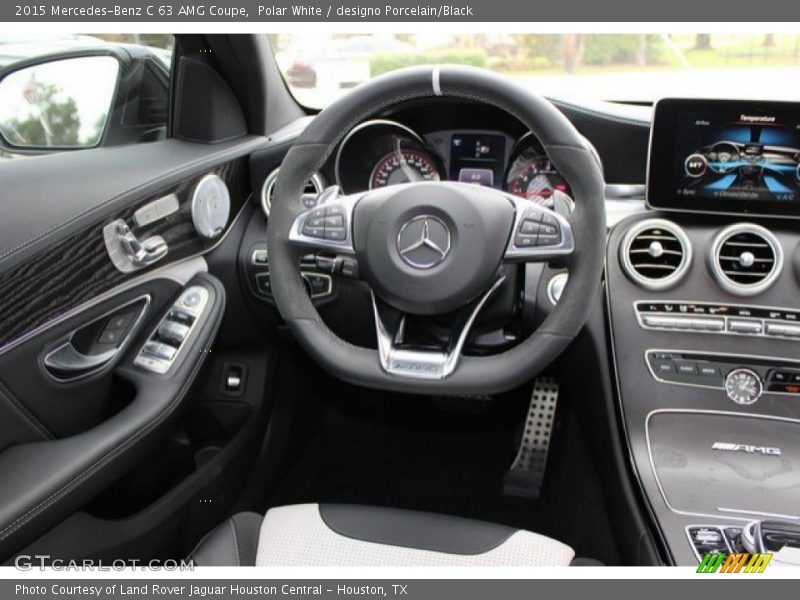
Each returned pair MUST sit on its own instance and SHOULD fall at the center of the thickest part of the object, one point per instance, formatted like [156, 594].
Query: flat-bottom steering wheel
[431, 248]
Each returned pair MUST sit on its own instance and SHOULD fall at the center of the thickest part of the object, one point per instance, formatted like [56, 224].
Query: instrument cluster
[382, 152]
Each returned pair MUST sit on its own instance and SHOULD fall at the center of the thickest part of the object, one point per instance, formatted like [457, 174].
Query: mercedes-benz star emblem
[423, 242]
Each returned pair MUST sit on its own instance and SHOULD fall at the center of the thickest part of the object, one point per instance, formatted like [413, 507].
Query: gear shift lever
[781, 538]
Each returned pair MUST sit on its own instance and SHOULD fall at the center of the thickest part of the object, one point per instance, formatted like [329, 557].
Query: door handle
[82, 352]
[127, 252]
[69, 362]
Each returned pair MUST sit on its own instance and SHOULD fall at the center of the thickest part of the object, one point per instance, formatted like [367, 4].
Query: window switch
[159, 350]
[173, 332]
[181, 317]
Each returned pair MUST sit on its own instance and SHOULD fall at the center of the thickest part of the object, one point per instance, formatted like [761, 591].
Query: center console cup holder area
[726, 464]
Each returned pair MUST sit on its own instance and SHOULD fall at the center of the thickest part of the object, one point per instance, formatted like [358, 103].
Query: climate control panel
[725, 319]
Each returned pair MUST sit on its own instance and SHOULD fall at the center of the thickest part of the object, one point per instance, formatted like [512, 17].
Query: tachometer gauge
[403, 166]
[535, 178]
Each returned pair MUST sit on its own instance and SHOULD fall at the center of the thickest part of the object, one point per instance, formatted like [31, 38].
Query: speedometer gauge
[535, 178]
[403, 166]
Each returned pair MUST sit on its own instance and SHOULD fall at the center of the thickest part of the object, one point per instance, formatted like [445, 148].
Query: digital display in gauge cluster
[477, 158]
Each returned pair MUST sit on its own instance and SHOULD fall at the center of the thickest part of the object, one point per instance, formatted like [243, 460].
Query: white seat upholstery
[299, 536]
[352, 535]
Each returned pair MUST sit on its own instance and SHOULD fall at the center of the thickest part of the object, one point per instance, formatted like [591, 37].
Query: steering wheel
[429, 248]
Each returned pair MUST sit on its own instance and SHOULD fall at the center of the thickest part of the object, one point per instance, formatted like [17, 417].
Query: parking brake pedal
[526, 475]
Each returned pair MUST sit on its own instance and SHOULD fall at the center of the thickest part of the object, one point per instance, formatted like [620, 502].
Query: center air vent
[313, 186]
[655, 254]
[745, 259]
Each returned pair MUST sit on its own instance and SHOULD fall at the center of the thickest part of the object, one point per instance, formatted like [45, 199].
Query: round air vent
[313, 186]
[655, 254]
[745, 259]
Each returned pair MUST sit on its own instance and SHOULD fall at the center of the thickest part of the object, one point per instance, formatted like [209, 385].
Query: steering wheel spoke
[398, 358]
[539, 234]
[329, 225]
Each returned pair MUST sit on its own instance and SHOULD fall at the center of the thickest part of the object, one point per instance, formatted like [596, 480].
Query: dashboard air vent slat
[745, 259]
[655, 253]
[313, 186]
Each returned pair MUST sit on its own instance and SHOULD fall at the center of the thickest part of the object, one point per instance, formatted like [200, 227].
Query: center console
[704, 308]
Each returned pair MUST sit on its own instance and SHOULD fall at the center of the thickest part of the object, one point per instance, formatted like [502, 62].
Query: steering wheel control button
[743, 386]
[335, 234]
[327, 223]
[313, 232]
[549, 231]
[264, 284]
[260, 257]
[349, 268]
[319, 284]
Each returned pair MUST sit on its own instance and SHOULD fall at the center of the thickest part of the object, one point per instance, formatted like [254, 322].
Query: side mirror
[57, 103]
[84, 98]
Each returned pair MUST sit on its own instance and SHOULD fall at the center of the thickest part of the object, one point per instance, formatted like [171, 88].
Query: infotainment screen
[725, 156]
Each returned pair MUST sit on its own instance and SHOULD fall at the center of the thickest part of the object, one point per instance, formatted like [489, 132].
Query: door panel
[66, 436]
[64, 275]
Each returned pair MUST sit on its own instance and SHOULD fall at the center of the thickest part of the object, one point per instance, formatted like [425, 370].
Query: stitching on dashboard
[209, 158]
[23, 519]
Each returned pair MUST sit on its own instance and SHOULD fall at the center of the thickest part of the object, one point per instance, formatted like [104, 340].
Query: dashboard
[701, 284]
[384, 152]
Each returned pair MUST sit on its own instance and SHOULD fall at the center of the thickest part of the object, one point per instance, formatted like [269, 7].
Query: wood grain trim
[77, 269]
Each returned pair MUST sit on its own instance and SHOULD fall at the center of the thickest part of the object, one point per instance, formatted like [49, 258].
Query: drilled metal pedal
[526, 475]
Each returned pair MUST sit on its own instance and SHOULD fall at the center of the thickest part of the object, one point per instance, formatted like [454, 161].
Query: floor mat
[363, 446]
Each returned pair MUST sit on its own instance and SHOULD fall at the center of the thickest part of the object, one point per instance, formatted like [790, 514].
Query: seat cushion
[352, 535]
[232, 544]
